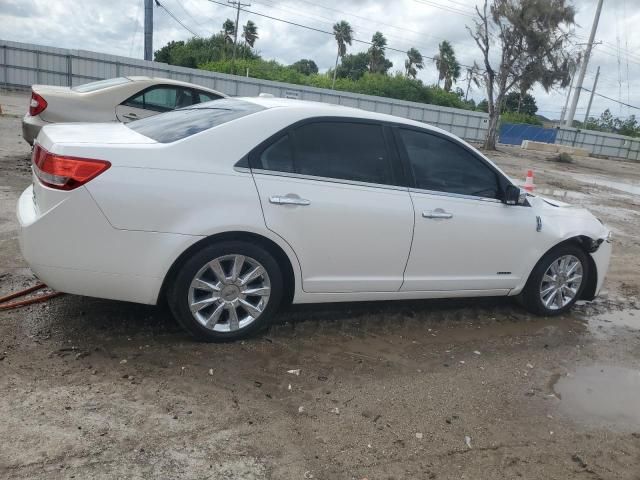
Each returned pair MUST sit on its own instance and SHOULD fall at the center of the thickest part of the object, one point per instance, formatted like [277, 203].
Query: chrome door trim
[328, 180]
[455, 195]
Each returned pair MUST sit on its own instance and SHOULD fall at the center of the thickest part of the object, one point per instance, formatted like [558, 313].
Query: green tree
[517, 103]
[197, 51]
[413, 63]
[343, 33]
[305, 67]
[447, 65]
[353, 66]
[532, 39]
[378, 62]
[250, 33]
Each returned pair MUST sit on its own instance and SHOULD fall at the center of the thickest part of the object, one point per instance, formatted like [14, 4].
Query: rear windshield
[177, 124]
[100, 84]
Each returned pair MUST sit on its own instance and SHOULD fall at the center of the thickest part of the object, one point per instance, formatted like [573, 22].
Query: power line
[176, 19]
[446, 8]
[319, 30]
[611, 99]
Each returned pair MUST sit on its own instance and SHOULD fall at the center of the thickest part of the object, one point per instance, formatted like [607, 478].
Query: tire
[197, 286]
[532, 296]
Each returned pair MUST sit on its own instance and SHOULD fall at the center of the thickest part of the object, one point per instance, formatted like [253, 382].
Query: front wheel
[557, 281]
[226, 291]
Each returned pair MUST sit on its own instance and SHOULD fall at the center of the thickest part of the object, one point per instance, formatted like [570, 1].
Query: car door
[330, 189]
[154, 100]
[465, 237]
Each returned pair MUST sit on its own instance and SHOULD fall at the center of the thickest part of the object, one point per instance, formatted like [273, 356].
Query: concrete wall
[22, 65]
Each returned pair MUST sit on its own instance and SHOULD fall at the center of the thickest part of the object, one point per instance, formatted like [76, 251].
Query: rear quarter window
[182, 123]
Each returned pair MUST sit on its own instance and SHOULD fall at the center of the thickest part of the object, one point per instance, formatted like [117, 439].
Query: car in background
[230, 208]
[121, 99]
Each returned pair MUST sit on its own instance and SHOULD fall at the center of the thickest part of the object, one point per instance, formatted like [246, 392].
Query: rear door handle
[437, 213]
[289, 200]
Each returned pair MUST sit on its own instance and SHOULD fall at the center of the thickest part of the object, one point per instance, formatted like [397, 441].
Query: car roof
[170, 81]
[327, 109]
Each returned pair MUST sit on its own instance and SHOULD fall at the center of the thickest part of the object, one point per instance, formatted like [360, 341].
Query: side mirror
[514, 195]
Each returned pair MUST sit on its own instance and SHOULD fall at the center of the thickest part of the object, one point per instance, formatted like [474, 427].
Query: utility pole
[238, 5]
[583, 68]
[148, 29]
[566, 103]
[593, 91]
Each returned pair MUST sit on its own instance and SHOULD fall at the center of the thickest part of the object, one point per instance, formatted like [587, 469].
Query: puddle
[601, 395]
[611, 323]
[632, 188]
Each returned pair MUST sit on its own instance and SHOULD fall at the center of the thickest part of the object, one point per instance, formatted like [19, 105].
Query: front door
[465, 237]
[329, 189]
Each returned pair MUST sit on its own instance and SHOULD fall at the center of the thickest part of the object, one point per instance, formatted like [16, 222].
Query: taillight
[37, 104]
[65, 173]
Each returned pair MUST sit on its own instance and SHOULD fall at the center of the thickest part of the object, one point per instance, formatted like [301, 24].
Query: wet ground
[423, 389]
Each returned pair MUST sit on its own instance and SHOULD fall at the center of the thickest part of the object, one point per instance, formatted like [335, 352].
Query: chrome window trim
[455, 195]
[328, 179]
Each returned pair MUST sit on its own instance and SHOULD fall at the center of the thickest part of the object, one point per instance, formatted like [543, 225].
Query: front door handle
[131, 116]
[437, 213]
[289, 200]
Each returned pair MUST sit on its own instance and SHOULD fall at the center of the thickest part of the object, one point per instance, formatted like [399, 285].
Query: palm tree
[250, 33]
[343, 33]
[413, 63]
[447, 65]
[376, 53]
[228, 30]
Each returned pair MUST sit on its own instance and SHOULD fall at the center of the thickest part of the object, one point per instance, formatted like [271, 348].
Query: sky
[116, 27]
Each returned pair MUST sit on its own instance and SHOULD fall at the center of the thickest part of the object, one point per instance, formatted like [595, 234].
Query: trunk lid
[58, 136]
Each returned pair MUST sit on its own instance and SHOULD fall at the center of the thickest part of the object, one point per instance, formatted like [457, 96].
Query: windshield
[100, 84]
[178, 124]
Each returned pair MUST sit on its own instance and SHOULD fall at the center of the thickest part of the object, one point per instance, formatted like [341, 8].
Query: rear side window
[340, 150]
[100, 84]
[208, 97]
[158, 99]
[178, 124]
[441, 165]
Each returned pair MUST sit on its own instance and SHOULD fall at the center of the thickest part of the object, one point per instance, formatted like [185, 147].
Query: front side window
[340, 150]
[441, 165]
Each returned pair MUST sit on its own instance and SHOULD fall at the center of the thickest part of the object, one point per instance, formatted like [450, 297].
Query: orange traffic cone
[528, 183]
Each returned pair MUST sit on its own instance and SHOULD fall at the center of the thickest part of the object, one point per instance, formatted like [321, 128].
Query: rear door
[330, 188]
[154, 100]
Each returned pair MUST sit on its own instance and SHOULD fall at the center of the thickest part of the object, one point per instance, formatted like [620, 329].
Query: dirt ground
[475, 389]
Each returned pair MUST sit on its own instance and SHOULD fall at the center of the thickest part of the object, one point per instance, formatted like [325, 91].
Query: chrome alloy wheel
[561, 282]
[229, 293]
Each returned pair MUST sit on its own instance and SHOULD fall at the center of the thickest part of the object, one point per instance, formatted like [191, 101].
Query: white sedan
[121, 99]
[231, 208]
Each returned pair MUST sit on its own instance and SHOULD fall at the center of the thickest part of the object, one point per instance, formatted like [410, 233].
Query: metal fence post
[6, 66]
[38, 67]
[69, 71]
[117, 68]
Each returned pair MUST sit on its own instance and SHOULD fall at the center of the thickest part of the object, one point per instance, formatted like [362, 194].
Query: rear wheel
[557, 281]
[226, 291]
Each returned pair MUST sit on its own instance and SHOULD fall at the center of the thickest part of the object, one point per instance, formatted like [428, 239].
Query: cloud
[116, 27]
